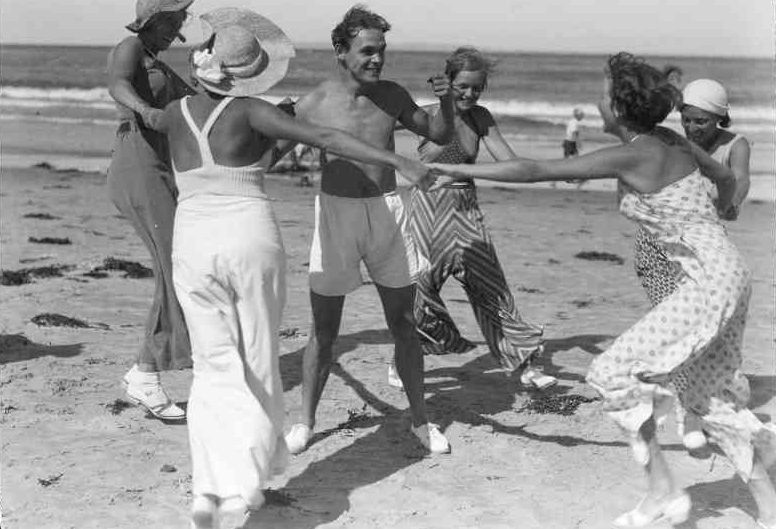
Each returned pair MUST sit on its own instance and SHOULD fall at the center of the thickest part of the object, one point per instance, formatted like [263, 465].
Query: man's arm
[270, 121]
[438, 128]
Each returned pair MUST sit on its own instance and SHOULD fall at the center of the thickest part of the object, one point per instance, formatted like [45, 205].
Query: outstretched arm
[610, 162]
[270, 121]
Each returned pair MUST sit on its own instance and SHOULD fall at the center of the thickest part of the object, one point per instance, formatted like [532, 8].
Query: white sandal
[145, 389]
[533, 377]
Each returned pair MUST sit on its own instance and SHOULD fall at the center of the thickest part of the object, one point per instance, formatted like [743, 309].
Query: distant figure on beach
[572, 143]
[450, 233]
[229, 259]
[696, 332]
[143, 190]
[360, 216]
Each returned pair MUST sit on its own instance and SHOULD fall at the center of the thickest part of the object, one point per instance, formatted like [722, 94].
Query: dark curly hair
[467, 59]
[641, 95]
[357, 18]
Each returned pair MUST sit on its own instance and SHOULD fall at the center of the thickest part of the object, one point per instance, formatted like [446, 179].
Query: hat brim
[140, 23]
[273, 40]
[707, 106]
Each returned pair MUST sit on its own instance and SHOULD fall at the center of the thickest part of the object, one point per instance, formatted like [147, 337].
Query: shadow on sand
[712, 499]
[19, 348]
[471, 393]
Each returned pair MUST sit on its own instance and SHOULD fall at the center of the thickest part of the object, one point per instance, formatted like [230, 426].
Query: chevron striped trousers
[450, 232]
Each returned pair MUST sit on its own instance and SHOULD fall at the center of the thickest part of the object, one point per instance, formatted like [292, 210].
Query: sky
[653, 27]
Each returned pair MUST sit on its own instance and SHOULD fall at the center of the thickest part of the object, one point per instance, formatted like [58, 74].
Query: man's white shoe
[393, 378]
[145, 389]
[431, 438]
[298, 438]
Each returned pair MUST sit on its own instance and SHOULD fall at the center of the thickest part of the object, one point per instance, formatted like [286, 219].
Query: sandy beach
[75, 455]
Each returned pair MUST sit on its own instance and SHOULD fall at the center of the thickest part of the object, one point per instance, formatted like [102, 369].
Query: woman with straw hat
[141, 187]
[228, 257]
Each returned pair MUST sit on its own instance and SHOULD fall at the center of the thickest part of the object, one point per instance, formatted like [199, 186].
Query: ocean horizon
[531, 95]
[421, 47]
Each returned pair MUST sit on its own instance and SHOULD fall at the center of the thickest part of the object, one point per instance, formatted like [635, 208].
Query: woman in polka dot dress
[695, 329]
[705, 119]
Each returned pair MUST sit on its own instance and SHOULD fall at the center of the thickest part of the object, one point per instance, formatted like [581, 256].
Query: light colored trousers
[229, 275]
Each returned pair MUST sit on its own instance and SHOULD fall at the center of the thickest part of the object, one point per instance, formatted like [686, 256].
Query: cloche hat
[246, 54]
[708, 95]
[145, 9]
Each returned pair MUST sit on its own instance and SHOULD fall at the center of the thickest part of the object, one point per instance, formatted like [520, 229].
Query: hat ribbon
[208, 67]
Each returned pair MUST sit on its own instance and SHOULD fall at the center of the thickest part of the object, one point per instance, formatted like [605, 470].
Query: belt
[460, 184]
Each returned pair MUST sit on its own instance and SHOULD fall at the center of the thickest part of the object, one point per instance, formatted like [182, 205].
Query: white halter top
[210, 177]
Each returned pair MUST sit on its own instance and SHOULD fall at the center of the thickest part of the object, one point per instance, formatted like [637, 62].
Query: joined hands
[440, 84]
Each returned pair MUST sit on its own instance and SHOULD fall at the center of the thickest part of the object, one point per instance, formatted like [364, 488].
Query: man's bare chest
[363, 119]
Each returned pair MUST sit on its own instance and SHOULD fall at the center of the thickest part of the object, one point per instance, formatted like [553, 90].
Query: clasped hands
[428, 177]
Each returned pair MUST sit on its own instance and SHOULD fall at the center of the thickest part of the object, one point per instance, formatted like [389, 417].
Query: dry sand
[74, 456]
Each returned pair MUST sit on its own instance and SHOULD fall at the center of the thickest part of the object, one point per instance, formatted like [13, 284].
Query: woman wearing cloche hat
[142, 188]
[228, 257]
[706, 118]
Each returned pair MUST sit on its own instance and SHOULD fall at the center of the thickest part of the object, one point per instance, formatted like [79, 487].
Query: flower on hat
[208, 67]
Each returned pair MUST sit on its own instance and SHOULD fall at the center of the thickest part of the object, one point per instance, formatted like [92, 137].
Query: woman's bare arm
[723, 177]
[497, 146]
[610, 162]
[739, 163]
[123, 63]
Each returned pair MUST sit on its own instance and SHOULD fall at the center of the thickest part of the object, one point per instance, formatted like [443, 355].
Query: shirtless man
[360, 216]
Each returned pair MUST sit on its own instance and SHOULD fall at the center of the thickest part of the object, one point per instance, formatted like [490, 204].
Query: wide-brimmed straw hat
[708, 95]
[246, 54]
[145, 9]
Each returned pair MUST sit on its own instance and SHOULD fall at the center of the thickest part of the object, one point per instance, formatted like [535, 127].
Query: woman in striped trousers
[449, 230]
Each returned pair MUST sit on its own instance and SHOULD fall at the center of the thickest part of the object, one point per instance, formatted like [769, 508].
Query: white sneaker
[145, 389]
[298, 438]
[393, 378]
[430, 437]
[535, 378]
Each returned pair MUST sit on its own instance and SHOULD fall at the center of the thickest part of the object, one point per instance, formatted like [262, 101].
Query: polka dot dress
[690, 342]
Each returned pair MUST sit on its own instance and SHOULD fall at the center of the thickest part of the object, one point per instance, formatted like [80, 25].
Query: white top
[722, 154]
[212, 178]
[572, 130]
